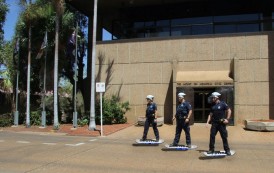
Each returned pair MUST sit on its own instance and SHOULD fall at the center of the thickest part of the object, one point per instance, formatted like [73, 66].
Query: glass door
[201, 106]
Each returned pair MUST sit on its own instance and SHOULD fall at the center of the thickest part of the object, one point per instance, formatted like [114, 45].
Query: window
[194, 26]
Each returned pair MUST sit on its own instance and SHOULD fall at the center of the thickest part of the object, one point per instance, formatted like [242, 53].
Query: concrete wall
[143, 67]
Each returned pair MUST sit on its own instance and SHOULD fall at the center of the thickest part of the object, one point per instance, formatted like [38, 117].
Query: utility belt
[220, 121]
[151, 116]
[181, 117]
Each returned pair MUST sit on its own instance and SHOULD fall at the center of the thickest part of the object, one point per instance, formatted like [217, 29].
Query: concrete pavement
[254, 150]
[116, 154]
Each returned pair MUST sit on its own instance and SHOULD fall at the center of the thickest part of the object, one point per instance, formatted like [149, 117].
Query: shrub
[35, 118]
[65, 105]
[83, 121]
[113, 110]
[6, 120]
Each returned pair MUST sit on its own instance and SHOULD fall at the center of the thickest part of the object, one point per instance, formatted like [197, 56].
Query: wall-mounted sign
[202, 84]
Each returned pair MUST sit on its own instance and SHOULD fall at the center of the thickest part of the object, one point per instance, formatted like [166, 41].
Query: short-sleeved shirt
[219, 111]
[151, 109]
[183, 109]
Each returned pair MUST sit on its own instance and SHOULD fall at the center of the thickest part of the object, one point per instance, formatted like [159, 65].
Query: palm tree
[3, 14]
[59, 8]
[31, 13]
[28, 16]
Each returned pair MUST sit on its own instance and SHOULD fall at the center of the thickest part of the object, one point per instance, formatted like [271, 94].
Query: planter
[259, 125]
[142, 119]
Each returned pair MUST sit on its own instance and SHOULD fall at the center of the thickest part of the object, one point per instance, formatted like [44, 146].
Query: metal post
[100, 87]
[16, 113]
[92, 125]
[75, 78]
[44, 114]
[28, 81]
[101, 110]
[16, 100]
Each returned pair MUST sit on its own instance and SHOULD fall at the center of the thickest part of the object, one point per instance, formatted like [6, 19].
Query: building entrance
[201, 107]
[198, 98]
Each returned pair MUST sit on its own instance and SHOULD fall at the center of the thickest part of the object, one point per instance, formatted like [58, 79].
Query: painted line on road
[49, 143]
[23, 142]
[75, 145]
[93, 140]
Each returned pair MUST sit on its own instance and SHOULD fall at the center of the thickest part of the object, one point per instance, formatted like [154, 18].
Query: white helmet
[181, 95]
[215, 94]
[150, 97]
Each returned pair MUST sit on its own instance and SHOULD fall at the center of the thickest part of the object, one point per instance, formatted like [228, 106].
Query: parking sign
[100, 87]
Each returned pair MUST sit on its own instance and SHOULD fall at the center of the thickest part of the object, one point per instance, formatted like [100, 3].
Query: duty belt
[220, 121]
[181, 117]
[151, 116]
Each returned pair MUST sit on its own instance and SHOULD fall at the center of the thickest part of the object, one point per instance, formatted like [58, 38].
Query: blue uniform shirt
[183, 109]
[151, 109]
[219, 111]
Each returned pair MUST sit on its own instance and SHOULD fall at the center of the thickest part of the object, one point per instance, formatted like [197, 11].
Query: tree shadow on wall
[108, 71]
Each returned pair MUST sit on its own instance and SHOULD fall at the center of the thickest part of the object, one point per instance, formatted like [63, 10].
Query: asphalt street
[35, 152]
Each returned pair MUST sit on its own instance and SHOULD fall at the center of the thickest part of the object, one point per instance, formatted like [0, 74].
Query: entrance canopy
[203, 78]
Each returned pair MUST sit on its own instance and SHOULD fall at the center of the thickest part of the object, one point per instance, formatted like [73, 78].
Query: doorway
[198, 98]
[201, 107]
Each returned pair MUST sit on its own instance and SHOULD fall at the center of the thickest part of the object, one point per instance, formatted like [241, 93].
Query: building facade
[195, 46]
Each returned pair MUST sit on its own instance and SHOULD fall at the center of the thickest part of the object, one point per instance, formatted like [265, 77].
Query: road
[30, 152]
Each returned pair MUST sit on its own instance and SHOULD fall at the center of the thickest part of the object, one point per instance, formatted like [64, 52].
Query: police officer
[219, 118]
[183, 114]
[151, 118]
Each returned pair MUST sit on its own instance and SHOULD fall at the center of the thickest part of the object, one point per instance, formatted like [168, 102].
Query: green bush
[83, 121]
[35, 118]
[65, 105]
[113, 110]
[6, 120]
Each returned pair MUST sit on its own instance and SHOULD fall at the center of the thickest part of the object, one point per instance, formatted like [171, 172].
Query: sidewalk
[237, 135]
[199, 133]
[115, 153]
[67, 129]
[254, 150]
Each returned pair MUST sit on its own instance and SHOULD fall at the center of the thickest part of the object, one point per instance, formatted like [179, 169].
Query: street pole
[44, 115]
[92, 125]
[101, 113]
[75, 78]
[101, 87]
[16, 113]
[28, 81]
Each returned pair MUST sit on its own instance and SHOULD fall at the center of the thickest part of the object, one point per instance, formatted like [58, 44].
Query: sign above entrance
[203, 78]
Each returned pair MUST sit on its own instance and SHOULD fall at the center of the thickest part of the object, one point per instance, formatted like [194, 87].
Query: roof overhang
[86, 6]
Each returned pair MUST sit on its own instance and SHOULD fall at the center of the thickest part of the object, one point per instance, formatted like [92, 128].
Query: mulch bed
[69, 130]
